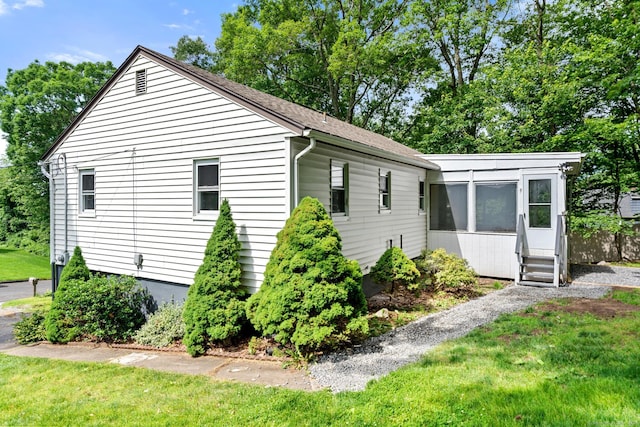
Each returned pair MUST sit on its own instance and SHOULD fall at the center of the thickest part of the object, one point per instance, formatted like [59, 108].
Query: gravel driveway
[605, 274]
[352, 370]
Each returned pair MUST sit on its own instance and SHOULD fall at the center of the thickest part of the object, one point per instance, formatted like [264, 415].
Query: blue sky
[99, 30]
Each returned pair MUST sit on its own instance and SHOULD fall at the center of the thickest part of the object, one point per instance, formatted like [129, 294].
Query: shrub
[30, 328]
[312, 295]
[163, 328]
[394, 267]
[100, 309]
[445, 270]
[76, 268]
[214, 309]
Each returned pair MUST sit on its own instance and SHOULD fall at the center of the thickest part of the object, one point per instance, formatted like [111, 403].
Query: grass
[634, 264]
[539, 367]
[16, 264]
[31, 304]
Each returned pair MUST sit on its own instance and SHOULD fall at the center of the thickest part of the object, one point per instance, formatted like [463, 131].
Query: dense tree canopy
[36, 105]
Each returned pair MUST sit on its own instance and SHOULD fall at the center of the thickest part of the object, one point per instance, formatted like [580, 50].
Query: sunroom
[504, 213]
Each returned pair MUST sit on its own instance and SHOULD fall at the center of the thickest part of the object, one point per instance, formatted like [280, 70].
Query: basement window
[141, 82]
[207, 186]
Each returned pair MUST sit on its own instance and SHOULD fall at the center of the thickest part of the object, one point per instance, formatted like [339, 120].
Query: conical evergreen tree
[76, 268]
[312, 295]
[214, 309]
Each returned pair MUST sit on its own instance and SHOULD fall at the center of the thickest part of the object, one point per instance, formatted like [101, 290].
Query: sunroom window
[448, 206]
[496, 207]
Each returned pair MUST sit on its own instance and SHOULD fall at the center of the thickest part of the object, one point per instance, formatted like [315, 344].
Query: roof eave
[367, 149]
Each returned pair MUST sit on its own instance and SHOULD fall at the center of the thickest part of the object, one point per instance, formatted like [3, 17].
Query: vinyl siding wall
[366, 232]
[144, 200]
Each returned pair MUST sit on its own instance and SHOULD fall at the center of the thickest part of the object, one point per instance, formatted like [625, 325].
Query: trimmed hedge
[312, 295]
[214, 310]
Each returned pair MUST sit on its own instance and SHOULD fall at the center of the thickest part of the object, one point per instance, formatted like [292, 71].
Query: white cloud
[76, 55]
[186, 11]
[173, 26]
[28, 3]
[4, 9]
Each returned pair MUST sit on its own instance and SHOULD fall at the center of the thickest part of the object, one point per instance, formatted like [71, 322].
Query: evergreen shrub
[30, 328]
[76, 269]
[163, 328]
[445, 270]
[396, 268]
[311, 296]
[99, 309]
[214, 310]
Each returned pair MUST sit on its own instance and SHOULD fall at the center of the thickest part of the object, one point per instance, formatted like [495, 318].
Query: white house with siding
[137, 179]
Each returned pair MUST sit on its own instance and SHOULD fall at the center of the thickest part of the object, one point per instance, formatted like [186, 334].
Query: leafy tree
[194, 52]
[214, 309]
[350, 59]
[36, 104]
[312, 295]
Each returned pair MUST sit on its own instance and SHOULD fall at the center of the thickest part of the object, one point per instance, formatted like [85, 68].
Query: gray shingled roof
[295, 117]
[299, 117]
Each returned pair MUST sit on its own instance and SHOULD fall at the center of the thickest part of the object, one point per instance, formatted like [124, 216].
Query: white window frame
[82, 192]
[197, 190]
[386, 174]
[345, 187]
[422, 197]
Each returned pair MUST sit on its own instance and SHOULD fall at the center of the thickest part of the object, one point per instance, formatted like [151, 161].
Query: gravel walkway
[352, 370]
[605, 274]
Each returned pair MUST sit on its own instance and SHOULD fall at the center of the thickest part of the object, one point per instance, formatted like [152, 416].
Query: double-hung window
[207, 186]
[384, 190]
[339, 188]
[421, 201]
[87, 180]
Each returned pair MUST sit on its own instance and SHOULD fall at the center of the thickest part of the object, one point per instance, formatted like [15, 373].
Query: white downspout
[312, 145]
[52, 234]
[66, 208]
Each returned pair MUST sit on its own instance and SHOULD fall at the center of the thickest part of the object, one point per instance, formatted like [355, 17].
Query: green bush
[99, 309]
[312, 295]
[163, 328]
[30, 328]
[394, 267]
[214, 309]
[76, 268]
[445, 271]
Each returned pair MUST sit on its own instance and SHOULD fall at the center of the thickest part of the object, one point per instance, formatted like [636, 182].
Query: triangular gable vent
[141, 82]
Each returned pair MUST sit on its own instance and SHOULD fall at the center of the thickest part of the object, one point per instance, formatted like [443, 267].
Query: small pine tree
[76, 268]
[311, 295]
[214, 309]
[396, 268]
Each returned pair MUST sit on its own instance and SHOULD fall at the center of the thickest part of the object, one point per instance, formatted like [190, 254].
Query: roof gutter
[296, 174]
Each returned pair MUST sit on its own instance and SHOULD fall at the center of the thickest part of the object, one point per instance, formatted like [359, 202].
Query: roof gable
[292, 116]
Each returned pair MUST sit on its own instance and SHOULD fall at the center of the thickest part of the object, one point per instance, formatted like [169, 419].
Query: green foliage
[214, 309]
[312, 295]
[163, 328]
[394, 267]
[596, 221]
[30, 328]
[445, 270]
[99, 309]
[76, 268]
[36, 105]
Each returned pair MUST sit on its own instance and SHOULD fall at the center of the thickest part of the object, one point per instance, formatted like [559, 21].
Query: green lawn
[540, 367]
[16, 264]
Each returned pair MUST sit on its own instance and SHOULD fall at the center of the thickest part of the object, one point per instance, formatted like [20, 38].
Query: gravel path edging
[351, 370]
[605, 275]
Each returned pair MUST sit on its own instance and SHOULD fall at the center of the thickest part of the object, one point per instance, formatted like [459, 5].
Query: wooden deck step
[536, 284]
